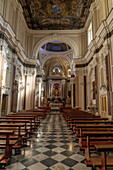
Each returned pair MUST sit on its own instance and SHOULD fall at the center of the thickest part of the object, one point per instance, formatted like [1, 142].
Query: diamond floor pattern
[52, 147]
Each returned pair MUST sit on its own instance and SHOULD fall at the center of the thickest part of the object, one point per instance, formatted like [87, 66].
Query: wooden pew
[14, 120]
[65, 108]
[91, 127]
[27, 114]
[96, 130]
[83, 122]
[103, 161]
[86, 127]
[72, 114]
[89, 134]
[32, 119]
[41, 111]
[39, 114]
[73, 123]
[18, 134]
[8, 149]
[90, 142]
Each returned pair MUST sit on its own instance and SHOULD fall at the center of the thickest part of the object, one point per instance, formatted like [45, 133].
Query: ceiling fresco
[56, 46]
[55, 14]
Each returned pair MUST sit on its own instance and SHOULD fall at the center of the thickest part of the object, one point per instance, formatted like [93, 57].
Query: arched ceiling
[55, 14]
[56, 61]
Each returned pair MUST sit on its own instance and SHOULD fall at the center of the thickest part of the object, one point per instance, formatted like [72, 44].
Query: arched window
[90, 33]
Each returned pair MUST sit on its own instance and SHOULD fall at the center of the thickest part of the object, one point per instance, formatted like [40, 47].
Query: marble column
[72, 91]
[3, 50]
[15, 96]
[63, 88]
[1, 57]
[50, 88]
[38, 91]
[39, 103]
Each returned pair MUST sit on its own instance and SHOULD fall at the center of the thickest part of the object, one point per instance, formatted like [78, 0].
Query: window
[57, 69]
[90, 33]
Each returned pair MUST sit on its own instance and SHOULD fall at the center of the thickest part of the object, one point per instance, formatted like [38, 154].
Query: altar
[55, 106]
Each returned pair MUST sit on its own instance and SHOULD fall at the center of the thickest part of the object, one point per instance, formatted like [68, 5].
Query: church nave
[56, 84]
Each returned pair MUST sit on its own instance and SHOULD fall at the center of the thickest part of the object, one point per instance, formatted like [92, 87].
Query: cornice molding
[8, 35]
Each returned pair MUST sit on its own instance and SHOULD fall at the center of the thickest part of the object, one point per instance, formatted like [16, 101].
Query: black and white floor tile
[52, 147]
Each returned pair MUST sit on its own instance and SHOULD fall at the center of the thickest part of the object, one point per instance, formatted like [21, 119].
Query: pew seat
[4, 162]
[96, 162]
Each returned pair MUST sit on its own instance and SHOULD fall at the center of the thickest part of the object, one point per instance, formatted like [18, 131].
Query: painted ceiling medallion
[56, 10]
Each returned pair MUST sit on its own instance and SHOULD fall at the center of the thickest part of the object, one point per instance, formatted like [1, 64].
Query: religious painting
[56, 89]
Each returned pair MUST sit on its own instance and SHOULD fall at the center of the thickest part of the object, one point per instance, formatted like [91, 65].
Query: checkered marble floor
[52, 147]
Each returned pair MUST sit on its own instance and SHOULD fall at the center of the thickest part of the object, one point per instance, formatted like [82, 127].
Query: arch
[58, 37]
[56, 83]
[66, 57]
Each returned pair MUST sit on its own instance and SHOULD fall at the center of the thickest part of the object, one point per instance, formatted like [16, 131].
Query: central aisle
[52, 147]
